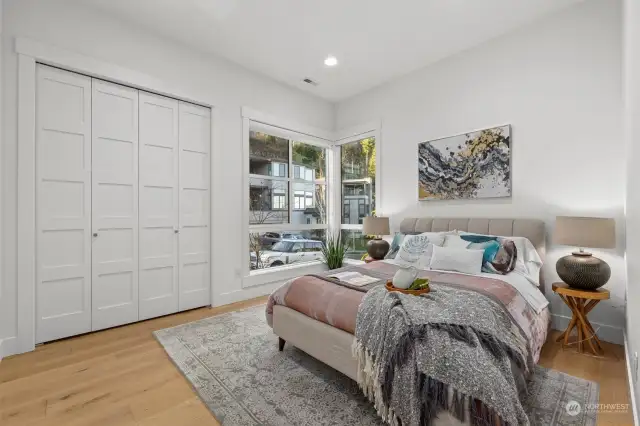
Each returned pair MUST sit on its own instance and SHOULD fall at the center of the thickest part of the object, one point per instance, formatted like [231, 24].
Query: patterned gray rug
[233, 363]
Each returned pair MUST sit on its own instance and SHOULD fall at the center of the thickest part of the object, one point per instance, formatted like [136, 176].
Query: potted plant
[333, 251]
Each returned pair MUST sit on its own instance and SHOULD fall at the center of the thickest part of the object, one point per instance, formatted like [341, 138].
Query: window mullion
[291, 194]
[336, 192]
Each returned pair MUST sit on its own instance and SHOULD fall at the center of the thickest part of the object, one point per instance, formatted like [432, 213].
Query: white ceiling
[374, 40]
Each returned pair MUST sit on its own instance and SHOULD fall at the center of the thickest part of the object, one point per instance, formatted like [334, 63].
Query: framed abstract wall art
[467, 166]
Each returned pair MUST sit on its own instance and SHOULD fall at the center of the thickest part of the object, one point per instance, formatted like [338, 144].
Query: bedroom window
[286, 210]
[358, 184]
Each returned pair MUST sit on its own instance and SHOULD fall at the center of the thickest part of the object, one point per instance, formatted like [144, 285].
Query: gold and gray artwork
[467, 166]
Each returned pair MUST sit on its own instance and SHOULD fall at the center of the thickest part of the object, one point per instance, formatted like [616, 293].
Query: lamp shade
[375, 226]
[594, 232]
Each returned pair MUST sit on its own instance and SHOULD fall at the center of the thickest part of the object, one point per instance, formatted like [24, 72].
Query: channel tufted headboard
[533, 229]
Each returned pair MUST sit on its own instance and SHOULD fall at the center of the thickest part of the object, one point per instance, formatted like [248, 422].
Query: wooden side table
[581, 302]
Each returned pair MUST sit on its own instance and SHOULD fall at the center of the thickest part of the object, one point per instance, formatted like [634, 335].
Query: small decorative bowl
[389, 286]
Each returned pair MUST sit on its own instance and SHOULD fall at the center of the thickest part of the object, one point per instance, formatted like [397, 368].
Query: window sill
[354, 262]
[282, 273]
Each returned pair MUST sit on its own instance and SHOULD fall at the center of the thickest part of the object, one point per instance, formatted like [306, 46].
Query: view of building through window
[288, 189]
[278, 197]
[358, 174]
[358, 171]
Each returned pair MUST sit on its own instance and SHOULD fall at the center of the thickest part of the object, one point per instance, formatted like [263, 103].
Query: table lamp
[580, 269]
[377, 226]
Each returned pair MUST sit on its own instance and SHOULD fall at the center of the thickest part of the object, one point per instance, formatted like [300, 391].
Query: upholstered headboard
[533, 229]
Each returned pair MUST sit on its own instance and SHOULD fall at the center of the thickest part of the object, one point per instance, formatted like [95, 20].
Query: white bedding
[517, 280]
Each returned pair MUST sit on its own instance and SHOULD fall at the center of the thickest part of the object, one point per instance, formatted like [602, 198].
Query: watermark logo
[573, 408]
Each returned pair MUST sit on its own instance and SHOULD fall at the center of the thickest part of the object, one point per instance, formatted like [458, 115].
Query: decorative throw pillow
[499, 254]
[528, 261]
[416, 249]
[395, 245]
[456, 259]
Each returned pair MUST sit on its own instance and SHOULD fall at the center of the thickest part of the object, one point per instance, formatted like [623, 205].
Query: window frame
[346, 136]
[323, 138]
[255, 121]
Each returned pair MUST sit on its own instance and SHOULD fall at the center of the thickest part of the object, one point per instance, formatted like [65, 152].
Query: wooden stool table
[581, 303]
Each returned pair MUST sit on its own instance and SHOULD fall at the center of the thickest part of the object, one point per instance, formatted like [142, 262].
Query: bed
[321, 333]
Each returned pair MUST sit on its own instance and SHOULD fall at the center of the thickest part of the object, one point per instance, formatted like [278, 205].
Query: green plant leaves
[333, 251]
[419, 284]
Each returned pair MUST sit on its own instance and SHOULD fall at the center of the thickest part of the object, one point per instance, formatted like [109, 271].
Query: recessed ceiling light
[331, 61]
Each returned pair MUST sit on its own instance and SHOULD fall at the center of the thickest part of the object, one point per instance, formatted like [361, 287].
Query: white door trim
[326, 136]
[356, 131]
[8, 347]
[29, 53]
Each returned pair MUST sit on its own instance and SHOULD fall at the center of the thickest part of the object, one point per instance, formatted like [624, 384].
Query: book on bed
[354, 278]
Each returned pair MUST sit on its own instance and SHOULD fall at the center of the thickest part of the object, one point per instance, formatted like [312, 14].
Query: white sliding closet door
[63, 204]
[114, 205]
[158, 205]
[195, 139]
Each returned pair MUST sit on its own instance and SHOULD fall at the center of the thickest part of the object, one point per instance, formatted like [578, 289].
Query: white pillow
[454, 241]
[457, 259]
[416, 249]
[436, 238]
[531, 260]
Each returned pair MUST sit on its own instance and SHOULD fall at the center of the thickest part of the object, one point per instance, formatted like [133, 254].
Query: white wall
[558, 83]
[1, 177]
[632, 125]
[79, 29]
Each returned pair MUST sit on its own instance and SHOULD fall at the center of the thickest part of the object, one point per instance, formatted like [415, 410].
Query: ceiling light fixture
[331, 61]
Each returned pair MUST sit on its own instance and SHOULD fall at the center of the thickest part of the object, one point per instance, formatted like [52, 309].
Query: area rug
[233, 363]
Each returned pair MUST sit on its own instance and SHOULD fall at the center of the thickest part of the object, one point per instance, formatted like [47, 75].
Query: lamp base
[377, 248]
[584, 271]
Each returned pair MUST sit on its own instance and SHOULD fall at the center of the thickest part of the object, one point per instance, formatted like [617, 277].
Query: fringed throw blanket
[452, 349]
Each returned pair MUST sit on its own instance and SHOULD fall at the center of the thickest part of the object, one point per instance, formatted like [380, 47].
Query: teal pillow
[490, 248]
[500, 254]
[395, 245]
[476, 238]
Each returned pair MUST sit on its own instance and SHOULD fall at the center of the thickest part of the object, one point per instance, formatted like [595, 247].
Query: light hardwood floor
[123, 377]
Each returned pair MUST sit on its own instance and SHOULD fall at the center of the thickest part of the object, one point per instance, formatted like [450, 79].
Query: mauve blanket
[337, 305]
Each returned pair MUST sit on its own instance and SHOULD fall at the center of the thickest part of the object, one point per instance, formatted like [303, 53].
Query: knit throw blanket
[451, 349]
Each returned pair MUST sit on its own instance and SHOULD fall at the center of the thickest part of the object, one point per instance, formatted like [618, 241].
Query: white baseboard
[632, 388]
[8, 346]
[605, 332]
[245, 293]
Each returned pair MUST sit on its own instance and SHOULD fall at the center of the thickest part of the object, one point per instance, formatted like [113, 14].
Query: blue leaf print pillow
[413, 248]
[395, 245]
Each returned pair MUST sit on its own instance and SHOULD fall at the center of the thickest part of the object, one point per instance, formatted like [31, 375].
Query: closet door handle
[176, 231]
[95, 234]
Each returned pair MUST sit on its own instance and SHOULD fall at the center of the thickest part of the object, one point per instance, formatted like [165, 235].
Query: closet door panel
[194, 248]
[63, 204]
[158, 205]
[114, 205]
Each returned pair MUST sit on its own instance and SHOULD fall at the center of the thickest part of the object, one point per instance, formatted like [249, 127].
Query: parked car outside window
[289, 251]
[270, 238]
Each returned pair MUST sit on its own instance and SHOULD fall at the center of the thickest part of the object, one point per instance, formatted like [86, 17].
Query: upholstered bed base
[327, 344]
